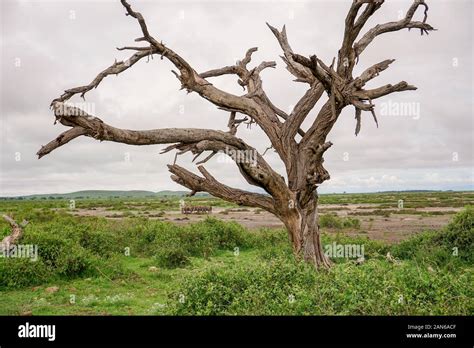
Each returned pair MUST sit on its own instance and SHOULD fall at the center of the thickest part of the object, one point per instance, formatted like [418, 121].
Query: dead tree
[294, 201]
[13, 238]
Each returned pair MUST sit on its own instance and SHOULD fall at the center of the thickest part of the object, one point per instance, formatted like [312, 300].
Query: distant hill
[94, 194]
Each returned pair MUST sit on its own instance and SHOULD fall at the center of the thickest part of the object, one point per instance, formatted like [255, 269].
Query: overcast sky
[424, 139]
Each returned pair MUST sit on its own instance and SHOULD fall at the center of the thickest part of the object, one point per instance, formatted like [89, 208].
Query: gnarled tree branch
[209, 184]
[405, 23]
[14, 237]
[302, 73]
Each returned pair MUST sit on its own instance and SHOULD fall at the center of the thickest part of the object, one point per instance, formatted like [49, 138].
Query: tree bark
[14, 237]
[305, 234]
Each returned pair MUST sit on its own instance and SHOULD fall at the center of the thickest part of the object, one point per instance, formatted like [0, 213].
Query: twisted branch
[14, 237]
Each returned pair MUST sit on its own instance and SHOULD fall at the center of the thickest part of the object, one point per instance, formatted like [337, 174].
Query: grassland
[141, 265]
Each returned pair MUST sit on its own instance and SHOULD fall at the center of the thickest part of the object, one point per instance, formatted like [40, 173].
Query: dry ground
[396, 227]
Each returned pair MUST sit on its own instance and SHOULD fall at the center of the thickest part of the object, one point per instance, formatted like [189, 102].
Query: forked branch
[209, 184]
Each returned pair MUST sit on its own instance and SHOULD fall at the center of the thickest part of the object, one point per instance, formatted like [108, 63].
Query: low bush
[172, 257]
[372, 249]
[333, 221]
[283, 287]
[100, 243]
[201, 239]
[444, 248]
[65, 251]
[225, 235]
[21, 272]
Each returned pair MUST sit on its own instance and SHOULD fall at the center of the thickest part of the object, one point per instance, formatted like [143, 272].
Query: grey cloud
[64, 44]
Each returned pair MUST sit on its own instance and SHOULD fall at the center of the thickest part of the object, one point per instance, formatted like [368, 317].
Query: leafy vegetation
[333, 221]
[284, 286]
[137, 265]
[439, 247]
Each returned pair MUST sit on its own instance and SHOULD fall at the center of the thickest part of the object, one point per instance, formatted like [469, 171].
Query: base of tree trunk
[313, 251]
[306, 235]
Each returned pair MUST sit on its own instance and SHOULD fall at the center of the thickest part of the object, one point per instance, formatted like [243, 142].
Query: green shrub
[172, 257]
[172, 245]
[111, 267]
[266, 237]
[62, 256]
[350, 222]
[50, 248]
[443, 248]
[330, 221]
[372, 248]
[197, 240]
[283, 287]
[58, 256]
[73, 262]
[226, 235]
[21, 272]
[333, 221]
[418, 244]
[100, 243]
[276, 251]
[152, 235]
[459, 234]
[239, 290]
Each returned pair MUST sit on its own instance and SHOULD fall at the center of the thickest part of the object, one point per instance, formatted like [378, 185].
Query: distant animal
[197, 209]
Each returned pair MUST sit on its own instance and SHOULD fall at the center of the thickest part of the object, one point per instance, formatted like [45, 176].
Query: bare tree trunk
[303, 228]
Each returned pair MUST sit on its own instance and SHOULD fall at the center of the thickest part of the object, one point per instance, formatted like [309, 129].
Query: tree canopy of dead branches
[293, 200]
